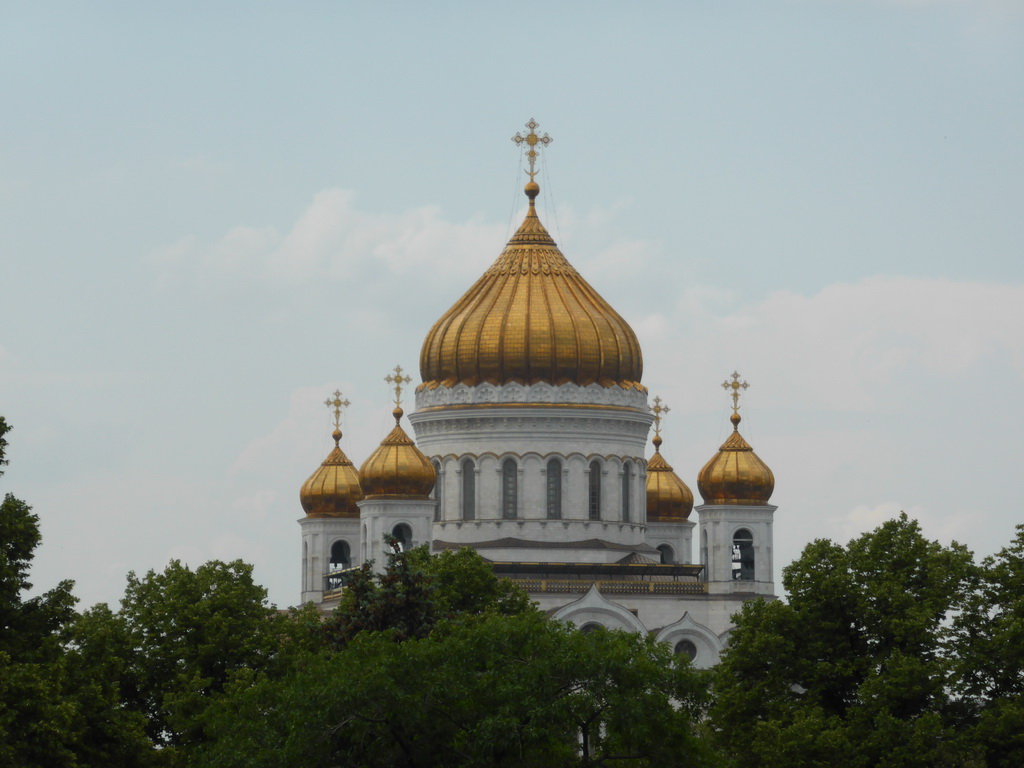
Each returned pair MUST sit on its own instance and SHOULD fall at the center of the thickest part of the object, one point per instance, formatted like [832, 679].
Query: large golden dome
[333, 490]
[669, 499]
[736, 475]
[397, 468]
[531, 318]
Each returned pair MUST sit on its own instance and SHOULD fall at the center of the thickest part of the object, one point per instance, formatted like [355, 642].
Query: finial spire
[659, 409]
[336, 402]
[396, 379]
[532, 140]
[735, 385]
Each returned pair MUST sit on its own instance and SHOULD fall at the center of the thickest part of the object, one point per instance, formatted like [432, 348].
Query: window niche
[468, 490]
[509, 489]
[627, 471]
[553, 482]
[438, 491]
[594, 495]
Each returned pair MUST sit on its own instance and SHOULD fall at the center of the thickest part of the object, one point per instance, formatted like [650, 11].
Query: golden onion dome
[531, 318]
[669, 500]
[736, 475]
[333, 490]
[397, 468]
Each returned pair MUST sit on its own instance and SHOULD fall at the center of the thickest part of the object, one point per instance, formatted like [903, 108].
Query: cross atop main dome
[532, 140]
[530, 318]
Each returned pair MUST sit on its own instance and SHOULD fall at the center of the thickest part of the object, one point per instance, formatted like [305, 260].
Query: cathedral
[531, 447]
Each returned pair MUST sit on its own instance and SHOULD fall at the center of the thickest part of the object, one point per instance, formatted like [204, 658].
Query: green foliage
[183, 634]
[494, 691]
[853, 670]
[416, 591]
[95, 667]
[37, 723]
[991, 667]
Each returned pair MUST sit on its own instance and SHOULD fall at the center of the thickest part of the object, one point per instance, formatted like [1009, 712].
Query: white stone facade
[512, 447]
[408, 520]
[516, 480]
[320, 535]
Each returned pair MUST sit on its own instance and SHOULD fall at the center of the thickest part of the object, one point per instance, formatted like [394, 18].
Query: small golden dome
[397, 467]
[531, 318]
[736, 475]
[669, 500]
[333, 490]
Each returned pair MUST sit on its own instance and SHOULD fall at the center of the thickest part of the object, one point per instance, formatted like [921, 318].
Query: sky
[214, 214]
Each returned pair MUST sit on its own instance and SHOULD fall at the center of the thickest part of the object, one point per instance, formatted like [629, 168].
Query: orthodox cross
[735, 385]
[397, 379]
[532, 140]
[336, 404]
[659, 411]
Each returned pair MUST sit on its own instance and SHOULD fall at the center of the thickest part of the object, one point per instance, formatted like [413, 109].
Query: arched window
[468, 490]
[403, 537]
[437, 490]
[594, 497]
[743, 555]
[554, 483]
[305, 566]
[667, 555]
[341, 558]
[686, 648]
[509, 489]
[341, 555]
[626, 471]
[590, 626]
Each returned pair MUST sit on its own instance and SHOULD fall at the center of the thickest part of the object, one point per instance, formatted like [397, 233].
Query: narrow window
[595, 491]
[403, 537]
[437, 490]
[305, 566]
[667, 556]
[554, 483]
[468, 490]
[626, 470]
[704, 552]
[509, 481]
[743, 555]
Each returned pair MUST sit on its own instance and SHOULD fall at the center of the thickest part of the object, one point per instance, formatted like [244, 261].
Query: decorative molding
[541, 393]
[530, 425]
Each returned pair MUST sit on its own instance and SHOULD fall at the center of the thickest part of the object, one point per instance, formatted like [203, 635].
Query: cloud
[843, 347]
[946, 528]
[333, 239]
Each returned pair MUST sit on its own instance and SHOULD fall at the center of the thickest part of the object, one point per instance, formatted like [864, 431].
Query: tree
[183, 634]
[417, 590]
[493, 691]
[854, 669]
[991, 667]
[37, 726]
[437, 662]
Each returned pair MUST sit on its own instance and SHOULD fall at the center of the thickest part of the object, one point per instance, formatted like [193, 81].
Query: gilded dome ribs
[553, 373]
[530, 318]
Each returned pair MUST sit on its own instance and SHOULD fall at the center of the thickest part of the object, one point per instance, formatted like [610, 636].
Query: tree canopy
[854, 669]
[891, 651]
[461, 670]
